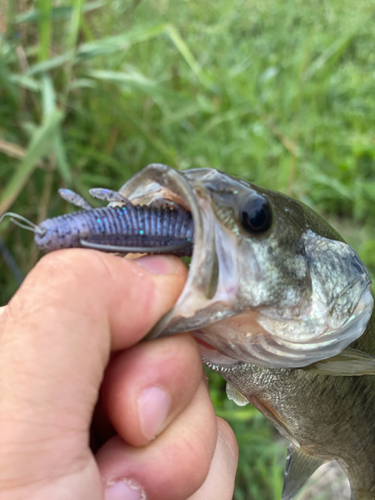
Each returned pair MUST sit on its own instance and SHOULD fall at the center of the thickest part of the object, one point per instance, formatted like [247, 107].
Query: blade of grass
[57, 13]
[40, 144]
[74, 24]
[334, 184]
[112, 44]
[52, 63]
[61, 158]
[335, 49]
[98, 47]
[45, 7]
[71, 42]
[49, 107]
[132, 76]
[186, 53]
[48, 95]
[25, 82]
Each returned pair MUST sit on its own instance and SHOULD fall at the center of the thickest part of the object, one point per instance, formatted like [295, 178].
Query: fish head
[269, 283]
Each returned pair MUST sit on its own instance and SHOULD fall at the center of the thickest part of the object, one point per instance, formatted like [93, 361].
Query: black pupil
[256, 215]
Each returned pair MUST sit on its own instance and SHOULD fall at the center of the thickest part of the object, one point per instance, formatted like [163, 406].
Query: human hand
[73, 327]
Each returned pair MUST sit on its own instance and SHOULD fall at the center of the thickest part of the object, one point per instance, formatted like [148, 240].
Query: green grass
[279, 92]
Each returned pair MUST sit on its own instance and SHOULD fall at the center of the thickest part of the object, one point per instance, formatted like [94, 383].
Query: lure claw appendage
[108, 195]
[74, 198]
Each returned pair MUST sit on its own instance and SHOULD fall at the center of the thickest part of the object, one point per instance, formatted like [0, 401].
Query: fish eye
[256, 214]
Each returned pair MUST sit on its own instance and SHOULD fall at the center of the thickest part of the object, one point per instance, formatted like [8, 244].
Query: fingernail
[123, 489]
[153, 407]
[159, 264]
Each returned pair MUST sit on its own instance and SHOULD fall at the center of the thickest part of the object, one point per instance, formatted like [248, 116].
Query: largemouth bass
[283, 308]
[280, 305]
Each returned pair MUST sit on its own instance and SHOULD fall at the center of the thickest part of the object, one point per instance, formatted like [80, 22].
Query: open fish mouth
[230, 300]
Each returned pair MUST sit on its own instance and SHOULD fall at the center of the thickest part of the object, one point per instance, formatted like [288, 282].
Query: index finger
[86, 288]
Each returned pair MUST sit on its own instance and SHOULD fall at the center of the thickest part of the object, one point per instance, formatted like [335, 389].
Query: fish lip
[203, 343]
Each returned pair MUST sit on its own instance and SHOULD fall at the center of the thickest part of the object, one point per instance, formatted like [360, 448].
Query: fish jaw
[243, 338]
[285, 299]
[203, 300]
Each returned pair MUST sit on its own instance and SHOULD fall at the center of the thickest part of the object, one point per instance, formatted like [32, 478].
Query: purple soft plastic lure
[123, 228]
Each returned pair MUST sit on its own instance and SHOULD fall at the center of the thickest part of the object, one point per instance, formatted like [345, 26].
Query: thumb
[56, 337]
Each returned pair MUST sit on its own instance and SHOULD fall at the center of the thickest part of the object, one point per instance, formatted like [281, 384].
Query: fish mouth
[230, 330]
[197, 305]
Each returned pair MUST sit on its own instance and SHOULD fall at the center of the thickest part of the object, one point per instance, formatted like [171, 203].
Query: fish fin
[236, 396]
[350, 362]
[275, 419]
[299, 467]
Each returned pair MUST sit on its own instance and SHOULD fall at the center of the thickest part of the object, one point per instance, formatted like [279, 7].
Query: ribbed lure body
[145, 227]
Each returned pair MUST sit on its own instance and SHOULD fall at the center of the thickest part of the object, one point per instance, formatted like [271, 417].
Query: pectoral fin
[276, 420]
[348, 363]
[236, 396]
[299, 467]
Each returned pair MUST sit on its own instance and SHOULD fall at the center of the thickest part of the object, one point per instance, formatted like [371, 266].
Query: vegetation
[279, 92]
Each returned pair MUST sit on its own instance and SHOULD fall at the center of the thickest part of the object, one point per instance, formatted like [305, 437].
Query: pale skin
[73, 331]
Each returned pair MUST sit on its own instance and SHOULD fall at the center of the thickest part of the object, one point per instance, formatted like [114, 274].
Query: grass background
[278, 92]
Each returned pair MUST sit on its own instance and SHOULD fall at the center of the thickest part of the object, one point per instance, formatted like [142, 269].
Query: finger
[173, 466]
[147, 386]
[57, 334]
[219, 483]
[127, 296]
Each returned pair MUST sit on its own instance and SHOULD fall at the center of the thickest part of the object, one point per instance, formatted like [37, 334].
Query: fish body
[282, 308]
[324, 417]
